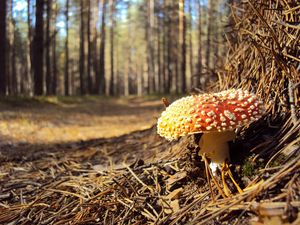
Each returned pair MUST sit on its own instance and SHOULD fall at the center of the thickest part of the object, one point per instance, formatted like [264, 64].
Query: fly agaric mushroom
[215, 115]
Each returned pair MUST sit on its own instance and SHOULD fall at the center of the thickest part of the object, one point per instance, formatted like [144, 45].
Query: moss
[248, 168]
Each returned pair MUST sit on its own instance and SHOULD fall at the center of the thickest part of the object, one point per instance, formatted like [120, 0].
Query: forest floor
[31, 128]
[99, 161]
[56, 120]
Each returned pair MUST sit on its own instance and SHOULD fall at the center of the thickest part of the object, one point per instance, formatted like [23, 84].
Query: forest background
[111, 47]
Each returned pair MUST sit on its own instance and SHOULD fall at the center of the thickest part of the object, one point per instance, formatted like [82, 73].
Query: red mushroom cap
[215, 112]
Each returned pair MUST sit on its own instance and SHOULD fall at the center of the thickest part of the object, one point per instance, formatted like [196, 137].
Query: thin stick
[208, 177]
[138, 179]
[165, 102]
[292, 102]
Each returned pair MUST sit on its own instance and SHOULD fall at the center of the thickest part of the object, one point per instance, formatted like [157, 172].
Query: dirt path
[74, 119]
[100, 132]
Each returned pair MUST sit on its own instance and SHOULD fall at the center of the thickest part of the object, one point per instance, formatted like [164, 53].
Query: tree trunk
[128, 52]
[175, 50]
[54, 60]
[217, 32]
[66, 80]
[159, 55]
[112, 24]
[209, 28]
[82, 50]
[182, 42]
[28, 81]
[150, 46]
[199, 64]
[14, 79]
[168, 43]
[95, 58]
[48, 49]
[38, 48]
[89, 42]
[11, 36]
[164, 50]
[3, 44]
[11, 51]
[191, 44]
[101, 76]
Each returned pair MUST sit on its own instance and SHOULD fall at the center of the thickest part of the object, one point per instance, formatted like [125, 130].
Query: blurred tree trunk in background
[54, 55]
[191, 43]
[216, 39]
[128, 52]
[3, 44]
[159, 30]
[150, 46]
[89, 42]
[209, 29]
[167, 43]
[66, 72]
[48, 49]
[38, 45]
[112, 25]
[100, 81]
[182, 43]
[175, 49]
[10, 49]
[82, 58]
[197, 83]
[28, 81]
[95, 61]
[12, 64]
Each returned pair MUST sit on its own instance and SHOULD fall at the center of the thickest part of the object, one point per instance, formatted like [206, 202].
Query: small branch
[291, 87]
[165, 102]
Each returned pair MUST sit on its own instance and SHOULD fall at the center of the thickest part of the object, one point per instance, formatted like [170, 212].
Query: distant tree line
[109, 47]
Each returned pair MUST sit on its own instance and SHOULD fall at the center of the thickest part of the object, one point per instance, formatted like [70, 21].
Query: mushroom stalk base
[215, 145]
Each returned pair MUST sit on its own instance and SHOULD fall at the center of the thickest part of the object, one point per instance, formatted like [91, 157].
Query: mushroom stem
[215, 145]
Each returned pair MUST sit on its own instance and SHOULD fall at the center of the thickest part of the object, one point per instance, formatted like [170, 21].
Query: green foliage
[248, 168]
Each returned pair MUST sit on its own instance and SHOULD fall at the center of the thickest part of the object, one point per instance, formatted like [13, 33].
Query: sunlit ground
[73, 119]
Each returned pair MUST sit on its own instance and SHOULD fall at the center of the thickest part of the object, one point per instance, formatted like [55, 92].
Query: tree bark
[82, 49]
[182, 42]
[191, 43]
[38, 50]
[101, 76]
[14, 79]
[150, 46]
[12, 55]
[217, 34]
[127, 68]
[89, 42]
[199, 64]
[209, 28]
[28, 82]
[3, 44]
[67, 76]
[95, 51]
[167, 43]
[112, 24]
[54, 58]
[159, 56]
[48, 49]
